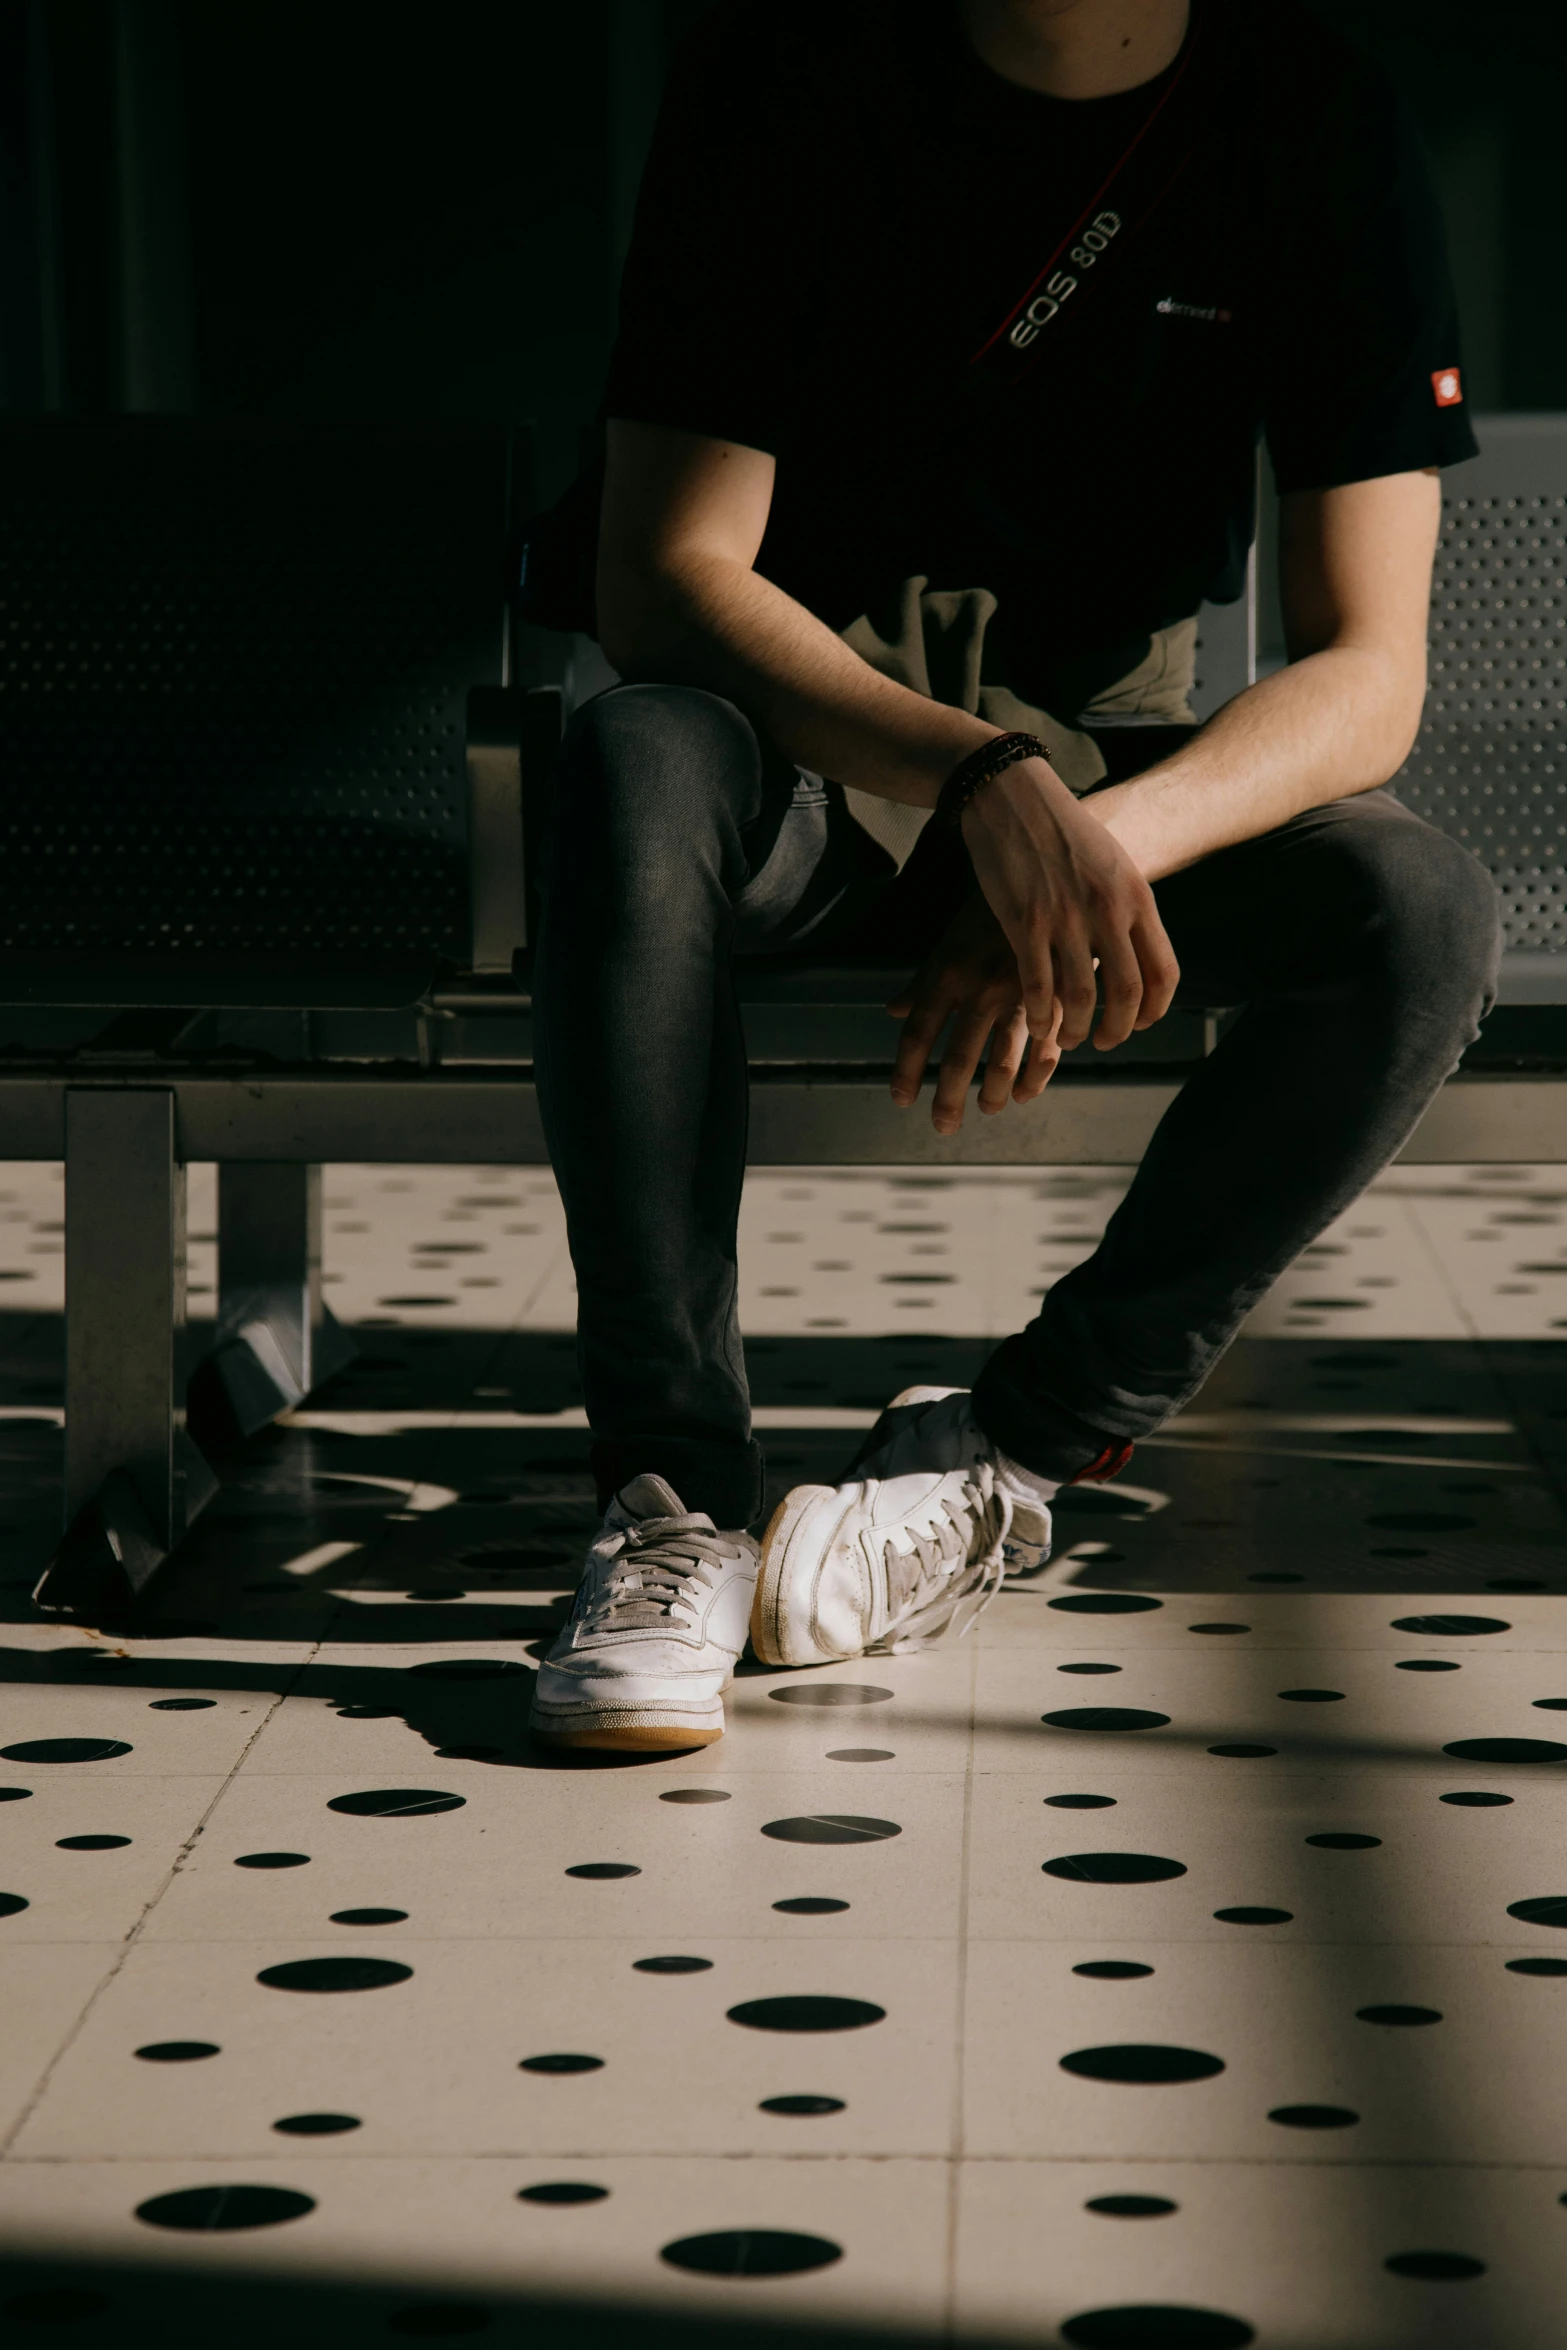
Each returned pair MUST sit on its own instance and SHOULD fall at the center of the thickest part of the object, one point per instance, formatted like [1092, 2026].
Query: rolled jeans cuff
[1031, 1427]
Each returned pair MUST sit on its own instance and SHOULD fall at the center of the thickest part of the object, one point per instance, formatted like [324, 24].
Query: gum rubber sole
[630, 1737]
[767, 1637]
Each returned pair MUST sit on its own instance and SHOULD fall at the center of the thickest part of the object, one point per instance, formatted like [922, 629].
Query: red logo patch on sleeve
[1448, 387]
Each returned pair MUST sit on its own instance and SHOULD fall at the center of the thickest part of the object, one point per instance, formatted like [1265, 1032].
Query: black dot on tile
[561, 2061]
[466, 1668]
[1105, 1717]
[1131, 2206]
[1274, 1575]
[1087, 1668]
[1476, 1800]
[1144, 2326]
[1314, 2117]
[1545, 1909]
[1550, 1705]
[55, 2305]
[1114, 1868]
[1105, 1603]
[180, 1705]
[830, 1693]
[317, 2125]
[1449, 2268]
[1248, 1914]
[1507, 1750]
[1399, 2015]
[334, 1974]
[1537, 1966]
[1112, 1970]
[1452, 1627]
[598, 1870]
[205, 2210]
[12, 1904]
[368, 1917]
[810, 1905]
[694, 1795]
[90, 1843]
[562, 2191]
[1139, 2062]
[1218, 1627]
[1081, 1802]
[439, 2317]
[860, 1754]
[272, 1860]
[65, 1750]
[806, 2012]
[1426, 1664]
[1342, 1840]
[15, 1794]
[674, 1965]
[831, 1827]
[1236, 1751]
[1312, 1696]
[751, 2252]
[177, 2051]
[396, 1803]
[801, 2105]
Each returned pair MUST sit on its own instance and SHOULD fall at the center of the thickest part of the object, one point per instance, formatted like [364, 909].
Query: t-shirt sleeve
[1362, 372]
[725, 237]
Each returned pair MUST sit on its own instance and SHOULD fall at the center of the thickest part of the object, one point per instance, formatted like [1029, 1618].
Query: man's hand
[1068, 897]
[971, 977]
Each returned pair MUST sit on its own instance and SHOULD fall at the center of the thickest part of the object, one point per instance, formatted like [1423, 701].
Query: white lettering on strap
[1057, 289]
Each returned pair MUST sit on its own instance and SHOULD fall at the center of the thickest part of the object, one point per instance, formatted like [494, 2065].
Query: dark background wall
[418, 207]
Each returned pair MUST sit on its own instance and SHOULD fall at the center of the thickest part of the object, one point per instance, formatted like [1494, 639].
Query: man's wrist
[1014, 790]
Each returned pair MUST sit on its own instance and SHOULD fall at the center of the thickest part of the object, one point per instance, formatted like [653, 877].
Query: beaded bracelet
[981, 767]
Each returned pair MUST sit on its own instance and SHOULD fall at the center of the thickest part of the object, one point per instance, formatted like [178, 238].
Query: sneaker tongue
[648, 1496]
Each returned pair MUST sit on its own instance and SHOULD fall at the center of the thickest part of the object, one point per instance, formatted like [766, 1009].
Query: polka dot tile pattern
[315, 1958]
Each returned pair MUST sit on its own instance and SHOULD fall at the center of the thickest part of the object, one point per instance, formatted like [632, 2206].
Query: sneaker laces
[657, 1563]
[940, 1584]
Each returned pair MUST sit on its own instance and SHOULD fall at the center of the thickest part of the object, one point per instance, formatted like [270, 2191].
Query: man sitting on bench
[948, 330]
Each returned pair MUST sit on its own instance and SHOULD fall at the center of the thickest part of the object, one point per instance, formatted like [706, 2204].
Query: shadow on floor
[107, 2306]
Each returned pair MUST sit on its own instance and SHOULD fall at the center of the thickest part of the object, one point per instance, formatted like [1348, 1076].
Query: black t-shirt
[844, 205]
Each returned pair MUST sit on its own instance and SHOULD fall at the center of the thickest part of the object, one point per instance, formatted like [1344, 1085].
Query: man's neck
[1076, 48]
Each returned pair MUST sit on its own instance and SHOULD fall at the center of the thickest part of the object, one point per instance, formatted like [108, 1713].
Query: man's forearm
[713, 622]
[1336, 723]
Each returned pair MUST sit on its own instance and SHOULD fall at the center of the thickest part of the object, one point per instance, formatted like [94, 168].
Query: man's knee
[643, 757]
[1436, 915]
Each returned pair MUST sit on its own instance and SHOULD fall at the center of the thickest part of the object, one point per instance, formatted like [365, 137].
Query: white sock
[1025, 1485]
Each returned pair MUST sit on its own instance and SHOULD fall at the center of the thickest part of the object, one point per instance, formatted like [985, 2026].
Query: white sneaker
[660, 1617]
[907, 1551]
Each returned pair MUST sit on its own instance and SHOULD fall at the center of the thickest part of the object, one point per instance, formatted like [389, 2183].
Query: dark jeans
[1361, 942]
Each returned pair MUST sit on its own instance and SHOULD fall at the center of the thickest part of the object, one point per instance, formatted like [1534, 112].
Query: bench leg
[276, 1336]
[133, 1479]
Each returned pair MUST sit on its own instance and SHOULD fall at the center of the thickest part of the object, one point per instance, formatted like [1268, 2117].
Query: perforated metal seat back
[1490, 765]
[233, 665]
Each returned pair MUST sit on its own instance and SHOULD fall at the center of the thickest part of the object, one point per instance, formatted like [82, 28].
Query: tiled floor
[1208, 1992]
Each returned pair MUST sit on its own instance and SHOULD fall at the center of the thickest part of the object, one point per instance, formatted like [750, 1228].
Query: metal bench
[276, 777]
[262, 772]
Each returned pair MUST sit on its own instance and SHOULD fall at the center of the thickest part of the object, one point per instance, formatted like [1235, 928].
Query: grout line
[129, 1941]
[1305, 2164]
[1436, 1261]
[957, 2155]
